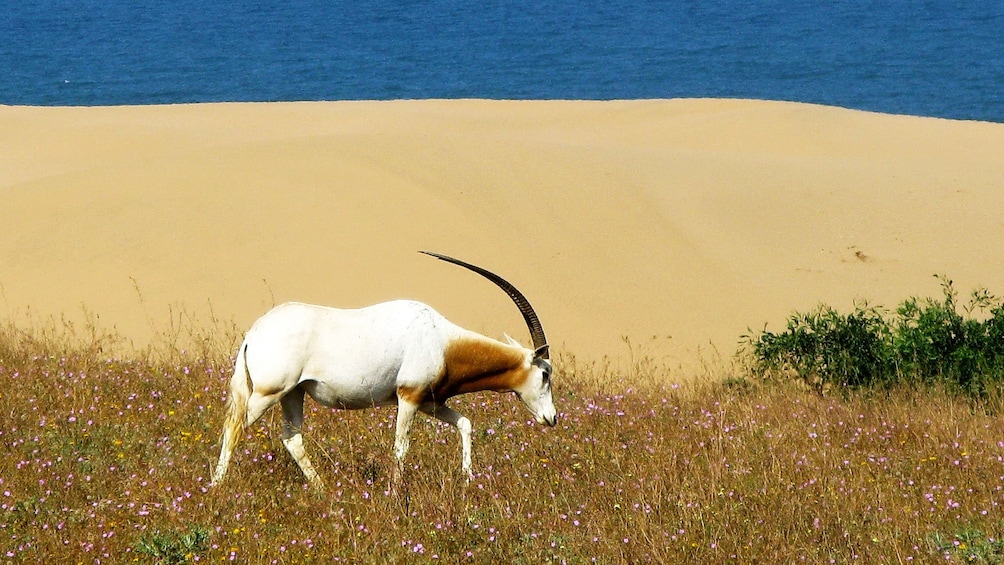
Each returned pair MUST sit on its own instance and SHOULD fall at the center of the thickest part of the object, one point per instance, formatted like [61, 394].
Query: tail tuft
[236, 413]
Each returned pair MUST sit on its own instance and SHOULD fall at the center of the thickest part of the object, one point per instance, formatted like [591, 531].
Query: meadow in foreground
[107, 459]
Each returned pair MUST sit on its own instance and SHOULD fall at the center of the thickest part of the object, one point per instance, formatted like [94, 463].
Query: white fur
[353, 359]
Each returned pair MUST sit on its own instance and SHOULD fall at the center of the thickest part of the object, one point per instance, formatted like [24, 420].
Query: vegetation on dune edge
[107, 460]
[922, 343]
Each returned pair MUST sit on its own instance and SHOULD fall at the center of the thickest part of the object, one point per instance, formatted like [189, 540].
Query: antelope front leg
[446, 414]
[405, 415]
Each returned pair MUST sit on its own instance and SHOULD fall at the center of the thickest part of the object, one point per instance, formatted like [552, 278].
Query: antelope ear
[542, 352]
[511, 341]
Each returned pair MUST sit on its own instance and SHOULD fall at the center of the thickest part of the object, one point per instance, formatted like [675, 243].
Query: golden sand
[678, 224]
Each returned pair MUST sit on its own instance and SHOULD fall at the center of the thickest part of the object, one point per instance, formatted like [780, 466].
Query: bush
[925, 342]
[173, 548]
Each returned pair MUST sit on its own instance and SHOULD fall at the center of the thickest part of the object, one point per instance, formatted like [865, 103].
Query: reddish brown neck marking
[473, 364]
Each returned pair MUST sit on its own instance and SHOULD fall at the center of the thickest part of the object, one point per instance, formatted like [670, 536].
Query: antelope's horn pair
[532, 322]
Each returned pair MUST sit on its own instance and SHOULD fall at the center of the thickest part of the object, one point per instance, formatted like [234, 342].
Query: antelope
[399, 352]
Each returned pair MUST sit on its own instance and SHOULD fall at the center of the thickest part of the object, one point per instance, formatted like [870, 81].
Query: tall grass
[106, 459]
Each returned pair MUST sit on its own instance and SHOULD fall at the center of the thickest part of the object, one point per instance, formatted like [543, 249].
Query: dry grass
[106, 460]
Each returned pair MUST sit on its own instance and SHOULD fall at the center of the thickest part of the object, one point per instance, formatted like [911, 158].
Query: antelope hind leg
[292, 438]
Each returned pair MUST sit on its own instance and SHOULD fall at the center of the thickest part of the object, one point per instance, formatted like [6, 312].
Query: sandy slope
[694, 219]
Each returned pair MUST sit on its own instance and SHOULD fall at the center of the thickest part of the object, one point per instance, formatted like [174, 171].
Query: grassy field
[106, 459]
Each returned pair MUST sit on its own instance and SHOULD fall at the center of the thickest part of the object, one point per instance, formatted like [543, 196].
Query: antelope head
[535, 390]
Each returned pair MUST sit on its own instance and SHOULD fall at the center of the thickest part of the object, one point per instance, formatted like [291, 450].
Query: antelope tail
[236, 415]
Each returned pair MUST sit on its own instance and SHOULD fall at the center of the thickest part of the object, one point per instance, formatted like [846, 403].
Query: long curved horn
[532, 322]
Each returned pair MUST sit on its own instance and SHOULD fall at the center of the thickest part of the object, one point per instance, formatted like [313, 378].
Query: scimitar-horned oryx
[401, 352]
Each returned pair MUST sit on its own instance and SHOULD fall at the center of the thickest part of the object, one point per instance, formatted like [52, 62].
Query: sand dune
[676, 223]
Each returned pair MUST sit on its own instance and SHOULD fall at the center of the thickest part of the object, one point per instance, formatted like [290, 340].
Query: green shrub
[969, 545]
[826, 347]
[173, 548]
[925, 342]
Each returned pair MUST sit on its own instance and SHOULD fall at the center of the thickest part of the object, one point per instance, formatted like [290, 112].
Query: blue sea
[940, 58]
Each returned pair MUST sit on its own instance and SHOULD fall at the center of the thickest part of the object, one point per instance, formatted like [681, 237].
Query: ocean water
[941, 58]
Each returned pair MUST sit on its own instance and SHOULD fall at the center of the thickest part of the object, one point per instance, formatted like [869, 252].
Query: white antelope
[401, 352]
